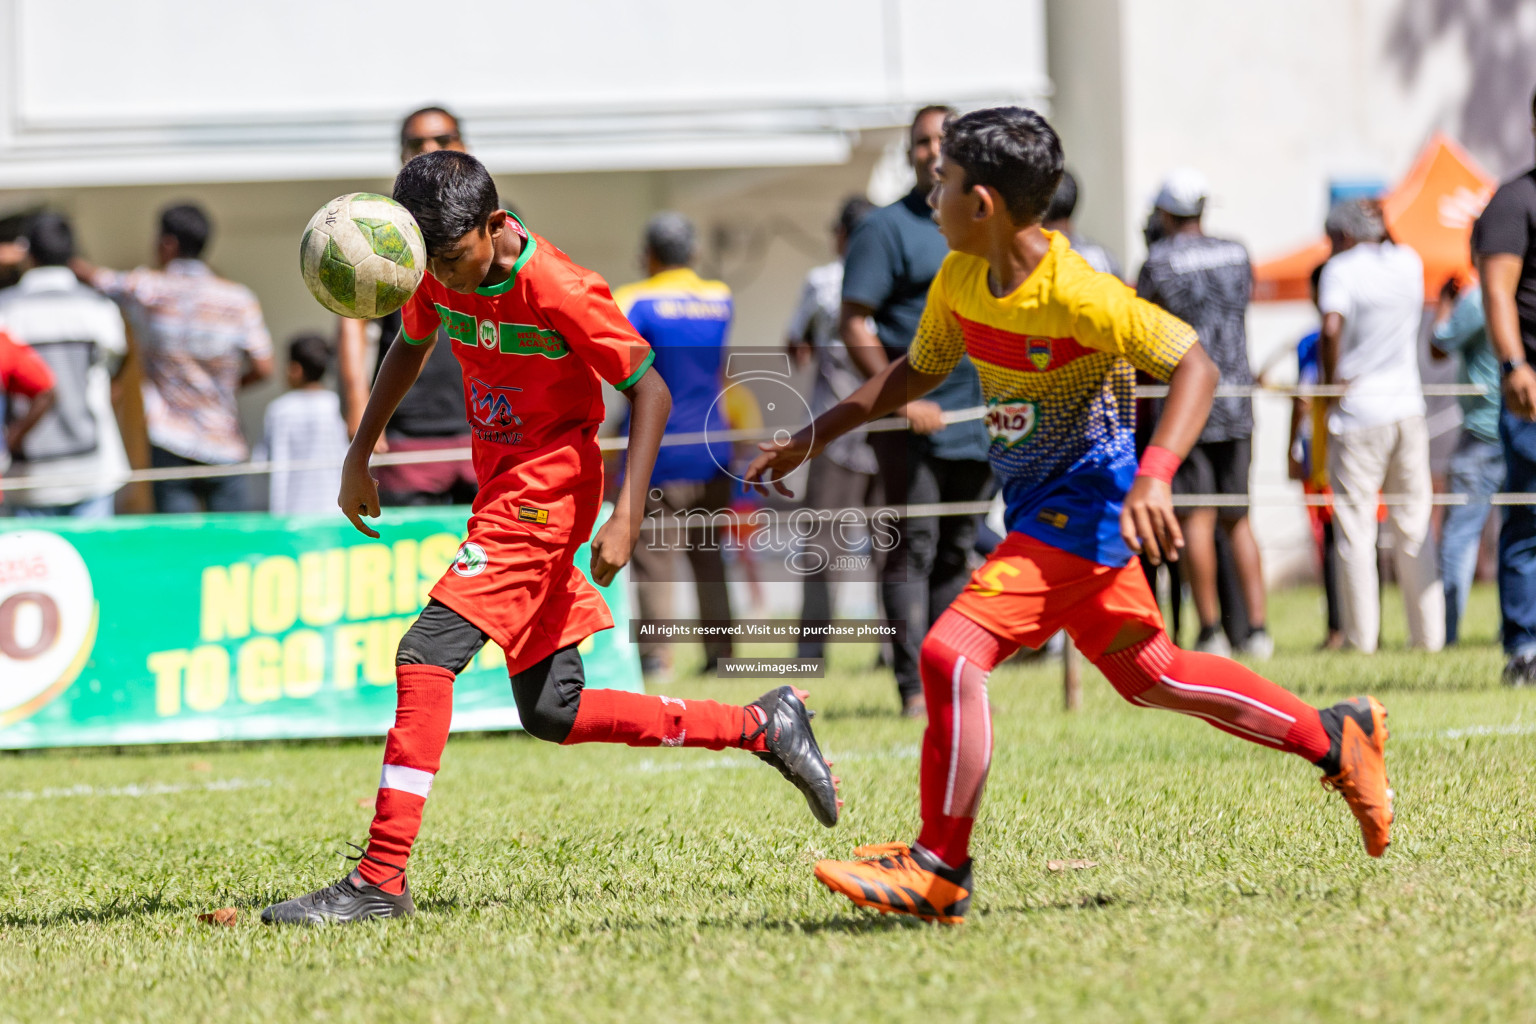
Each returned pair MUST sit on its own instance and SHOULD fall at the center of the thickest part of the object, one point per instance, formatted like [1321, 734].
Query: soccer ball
[362, 255]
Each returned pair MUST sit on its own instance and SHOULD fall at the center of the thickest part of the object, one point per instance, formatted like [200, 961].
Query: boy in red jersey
[533, 333]
[1057, 345]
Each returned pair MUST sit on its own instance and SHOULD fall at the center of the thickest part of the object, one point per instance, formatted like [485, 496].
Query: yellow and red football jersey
[1057, 359]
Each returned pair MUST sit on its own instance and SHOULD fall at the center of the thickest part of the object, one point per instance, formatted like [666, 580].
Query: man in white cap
[1207, 282]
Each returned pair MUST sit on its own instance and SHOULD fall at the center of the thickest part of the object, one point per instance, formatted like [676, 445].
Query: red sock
[1156, 674]
[956, 657]
[644, 720]
[412, 754]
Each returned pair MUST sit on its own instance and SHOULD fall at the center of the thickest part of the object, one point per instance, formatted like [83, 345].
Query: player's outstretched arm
[881, 395]
[1147, 522]
[359, 491]
[649, 405]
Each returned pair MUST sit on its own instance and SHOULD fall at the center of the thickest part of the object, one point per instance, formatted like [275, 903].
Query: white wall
[103, 92]
[1270, 101]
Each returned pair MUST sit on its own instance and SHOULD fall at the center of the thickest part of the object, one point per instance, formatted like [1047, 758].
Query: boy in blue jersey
[1057, 345]
[687, 320]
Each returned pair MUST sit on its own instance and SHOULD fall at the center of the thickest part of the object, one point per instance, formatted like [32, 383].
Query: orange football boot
[1361, 742]
[899, 879]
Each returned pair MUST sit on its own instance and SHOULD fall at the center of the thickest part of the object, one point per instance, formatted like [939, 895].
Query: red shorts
[1027, 590]
[515, 576]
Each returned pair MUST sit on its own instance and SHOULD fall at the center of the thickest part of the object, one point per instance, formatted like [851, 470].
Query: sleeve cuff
[645, 364]
[415, 341]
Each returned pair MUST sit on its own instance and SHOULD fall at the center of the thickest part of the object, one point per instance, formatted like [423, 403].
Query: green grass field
[600, 884]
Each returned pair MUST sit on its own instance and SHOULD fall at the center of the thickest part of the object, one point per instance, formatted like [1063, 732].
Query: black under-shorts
[1217, 467]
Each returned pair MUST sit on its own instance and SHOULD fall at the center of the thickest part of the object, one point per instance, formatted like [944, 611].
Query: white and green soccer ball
[362, 255]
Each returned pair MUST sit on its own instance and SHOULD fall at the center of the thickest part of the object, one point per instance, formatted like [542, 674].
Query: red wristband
[1159, 463]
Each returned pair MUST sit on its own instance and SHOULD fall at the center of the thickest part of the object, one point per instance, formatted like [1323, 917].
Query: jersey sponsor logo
[1039, 350]
[691, 309]
[491, 405]
[471, 560]
[1050, 517]
[491, 409]
[494, 336]
[1011, 422]
[533, 515]
[528, 340]
[458, 326]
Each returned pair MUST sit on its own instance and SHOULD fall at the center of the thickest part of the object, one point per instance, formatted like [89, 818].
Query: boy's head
[454, 201]
[853, 210]
[184, 232]
[308, 357]
[50, 239]
[1063, 203]
[997, 172]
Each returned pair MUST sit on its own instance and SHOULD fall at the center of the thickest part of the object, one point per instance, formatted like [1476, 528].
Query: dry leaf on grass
[1070, 865]
[200, 766]
[226, 916]
[369, 802]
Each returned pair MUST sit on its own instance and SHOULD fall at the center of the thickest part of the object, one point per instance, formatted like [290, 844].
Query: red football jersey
[532, 349]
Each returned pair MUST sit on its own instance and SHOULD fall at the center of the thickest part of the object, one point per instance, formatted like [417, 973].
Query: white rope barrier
[615, 444]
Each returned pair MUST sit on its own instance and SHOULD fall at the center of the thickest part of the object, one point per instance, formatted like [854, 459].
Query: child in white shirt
[305, 436]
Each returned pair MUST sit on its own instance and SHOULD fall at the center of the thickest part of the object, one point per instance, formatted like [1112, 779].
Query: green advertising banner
[168, 629]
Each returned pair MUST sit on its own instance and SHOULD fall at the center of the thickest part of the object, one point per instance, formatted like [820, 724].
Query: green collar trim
[523, 257]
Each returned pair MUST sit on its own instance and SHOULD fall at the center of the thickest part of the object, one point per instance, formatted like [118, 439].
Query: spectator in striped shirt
[202, 339]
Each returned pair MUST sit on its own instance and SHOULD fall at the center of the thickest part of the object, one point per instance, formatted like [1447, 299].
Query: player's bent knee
[440, 637]
[548, 695]
[1135, 669]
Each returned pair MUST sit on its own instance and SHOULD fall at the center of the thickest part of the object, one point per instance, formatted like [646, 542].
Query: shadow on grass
[120, 909]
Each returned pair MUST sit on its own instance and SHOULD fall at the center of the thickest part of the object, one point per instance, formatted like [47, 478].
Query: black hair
[312, 354]
[449, 193]
[930, 108]
[413, 115]
[188, 224]
[853, 210]
[1064, 202]
[1012, 151]
[671, 239]
[50, 239]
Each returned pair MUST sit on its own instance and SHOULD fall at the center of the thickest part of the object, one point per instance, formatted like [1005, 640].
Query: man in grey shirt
[892, 258]
[1207, 283]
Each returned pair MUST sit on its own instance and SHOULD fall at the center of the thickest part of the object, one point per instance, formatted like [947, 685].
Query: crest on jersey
[488, 334]
[1011, 422]
[471, 560]
[491, 406]
[1039, 351]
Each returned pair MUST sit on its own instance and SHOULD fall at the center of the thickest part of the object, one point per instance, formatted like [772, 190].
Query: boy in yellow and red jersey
[1057, 346]
[534, 333]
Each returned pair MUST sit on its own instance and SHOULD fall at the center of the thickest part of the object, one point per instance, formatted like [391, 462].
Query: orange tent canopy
[1432, 209]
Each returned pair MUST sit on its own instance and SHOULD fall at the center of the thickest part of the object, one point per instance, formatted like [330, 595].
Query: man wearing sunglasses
[431, 416]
